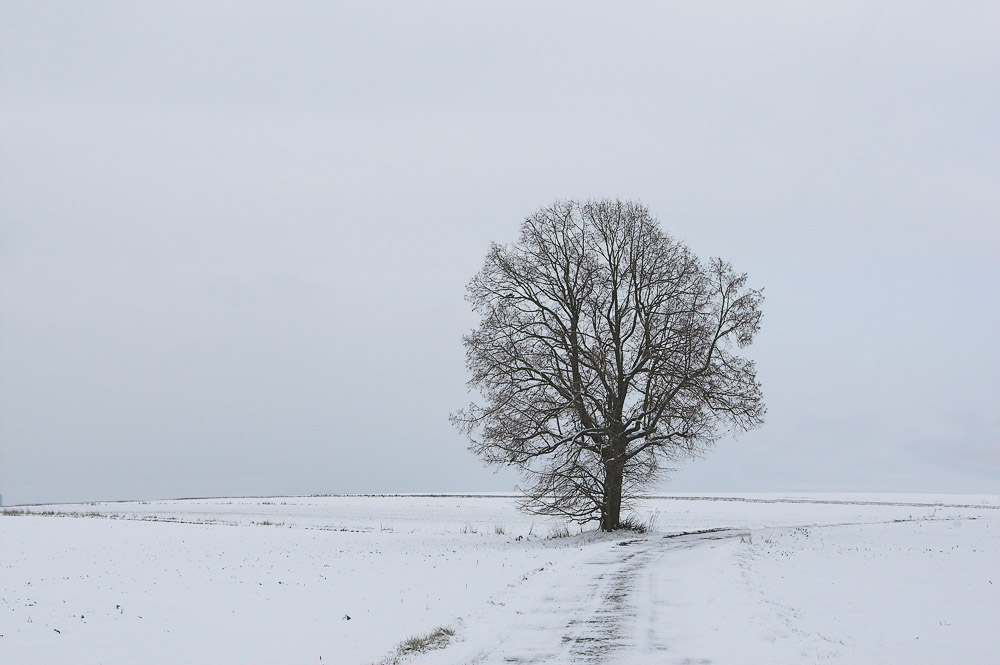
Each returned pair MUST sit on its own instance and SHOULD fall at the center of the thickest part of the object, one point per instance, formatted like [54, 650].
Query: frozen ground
[810, 578]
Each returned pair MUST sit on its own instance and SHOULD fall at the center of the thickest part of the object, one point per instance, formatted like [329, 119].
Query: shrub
[632, 523]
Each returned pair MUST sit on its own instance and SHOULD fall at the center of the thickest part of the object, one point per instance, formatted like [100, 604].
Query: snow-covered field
[777, 579]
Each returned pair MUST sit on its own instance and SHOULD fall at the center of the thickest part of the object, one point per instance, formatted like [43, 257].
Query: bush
[632, 523]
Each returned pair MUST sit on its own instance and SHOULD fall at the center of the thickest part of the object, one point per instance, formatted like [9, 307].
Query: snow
[780, 578]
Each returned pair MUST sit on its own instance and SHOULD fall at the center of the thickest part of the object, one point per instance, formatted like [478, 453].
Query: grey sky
[234, 238]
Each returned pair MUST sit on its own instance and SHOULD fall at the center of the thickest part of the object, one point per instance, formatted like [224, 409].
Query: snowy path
[720, 596]
[607, 609]
[625, 601]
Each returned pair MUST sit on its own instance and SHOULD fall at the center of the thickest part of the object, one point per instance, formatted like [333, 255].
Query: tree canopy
[605, 352]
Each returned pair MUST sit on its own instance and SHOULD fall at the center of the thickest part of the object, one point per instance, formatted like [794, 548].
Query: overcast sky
[235, 238]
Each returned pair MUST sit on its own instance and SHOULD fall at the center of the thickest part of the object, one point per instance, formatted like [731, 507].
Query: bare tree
[605, 351]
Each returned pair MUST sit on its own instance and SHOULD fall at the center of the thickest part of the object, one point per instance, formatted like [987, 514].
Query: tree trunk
[612, 508]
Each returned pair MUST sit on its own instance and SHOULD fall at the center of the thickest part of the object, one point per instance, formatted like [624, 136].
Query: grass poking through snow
[436, 639]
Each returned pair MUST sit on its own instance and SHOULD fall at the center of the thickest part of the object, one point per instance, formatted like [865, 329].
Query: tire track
[597, 615]
[608, 609]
